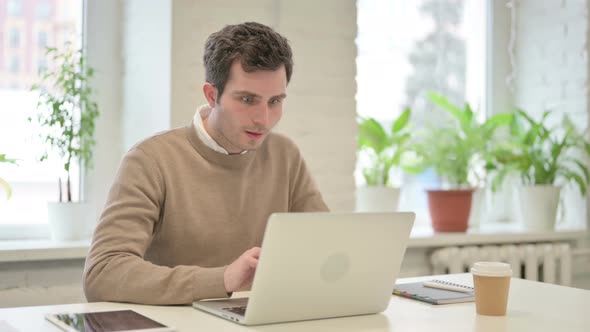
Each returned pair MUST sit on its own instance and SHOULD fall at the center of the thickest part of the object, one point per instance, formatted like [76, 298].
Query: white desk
[532, 306]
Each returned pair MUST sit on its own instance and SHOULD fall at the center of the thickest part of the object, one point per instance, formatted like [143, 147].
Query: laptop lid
[320, 265]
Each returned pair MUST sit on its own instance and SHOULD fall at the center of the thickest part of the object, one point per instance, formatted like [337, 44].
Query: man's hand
[240, 274]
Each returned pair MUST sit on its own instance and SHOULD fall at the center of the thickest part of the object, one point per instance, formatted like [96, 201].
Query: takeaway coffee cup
[492, 284]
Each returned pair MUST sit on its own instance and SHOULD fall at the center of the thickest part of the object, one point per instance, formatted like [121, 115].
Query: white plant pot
[377, 199]
[478, 210]
[500, 204]
[68, 221]
[537, 206]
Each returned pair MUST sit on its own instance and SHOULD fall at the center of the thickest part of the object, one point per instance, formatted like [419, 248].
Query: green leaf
[4, 159]
[413, 169]
[399, 142]
[531, 135]
[444, 103]
[525, 116]
[544, 116]
[468, 113]
[371, 135]
[516, 127]
[570, 175]
[556, 149]
[401, 121]
[499, 119]
[584, 170]
[371, 177]
[498, 179]
[566, 122]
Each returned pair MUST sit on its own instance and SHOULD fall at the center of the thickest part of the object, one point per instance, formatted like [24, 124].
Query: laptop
[321, 265]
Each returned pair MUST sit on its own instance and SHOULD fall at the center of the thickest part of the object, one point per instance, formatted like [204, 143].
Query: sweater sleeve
[115, 268]
[304, 193]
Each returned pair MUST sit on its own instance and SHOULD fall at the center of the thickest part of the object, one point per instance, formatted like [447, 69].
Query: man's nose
[261, 116]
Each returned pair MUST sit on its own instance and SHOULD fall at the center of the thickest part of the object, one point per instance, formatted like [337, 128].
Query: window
[42, 40]
[14, 38]
[33, 183]
[14, 65]
[43, 9]
[15, 7]
[41, 65]
[408, 48]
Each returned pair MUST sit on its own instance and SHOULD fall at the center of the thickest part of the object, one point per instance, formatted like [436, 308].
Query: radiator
[546, 262]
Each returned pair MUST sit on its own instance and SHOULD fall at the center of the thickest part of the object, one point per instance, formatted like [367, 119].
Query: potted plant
[3, 183]
[66, 117]
[384, 150]
[544, 158]
[458, 154]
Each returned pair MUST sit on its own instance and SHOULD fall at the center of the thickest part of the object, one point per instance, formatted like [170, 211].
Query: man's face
[250, 106]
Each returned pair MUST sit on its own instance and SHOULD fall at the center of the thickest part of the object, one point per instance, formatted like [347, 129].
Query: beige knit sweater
[178, 213]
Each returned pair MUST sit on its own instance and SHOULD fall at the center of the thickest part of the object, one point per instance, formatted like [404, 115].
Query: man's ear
[210, 92]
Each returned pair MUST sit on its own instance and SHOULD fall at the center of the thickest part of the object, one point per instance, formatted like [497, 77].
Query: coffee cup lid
[491, 269]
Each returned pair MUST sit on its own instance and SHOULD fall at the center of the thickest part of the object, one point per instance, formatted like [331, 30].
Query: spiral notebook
[439, 291]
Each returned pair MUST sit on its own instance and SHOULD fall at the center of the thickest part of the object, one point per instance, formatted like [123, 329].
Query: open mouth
[254, 134]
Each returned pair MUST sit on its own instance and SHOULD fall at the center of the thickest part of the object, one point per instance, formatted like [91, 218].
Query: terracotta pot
[449, 209]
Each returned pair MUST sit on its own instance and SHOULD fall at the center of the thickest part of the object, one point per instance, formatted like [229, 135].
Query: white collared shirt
[202, 132]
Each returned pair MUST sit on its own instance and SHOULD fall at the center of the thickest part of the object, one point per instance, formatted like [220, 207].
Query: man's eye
[248, 100]
[275, 101]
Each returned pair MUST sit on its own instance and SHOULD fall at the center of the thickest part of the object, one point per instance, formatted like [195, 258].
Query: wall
[104, 55]
[146, 61]
[321, 107]
[41, 283]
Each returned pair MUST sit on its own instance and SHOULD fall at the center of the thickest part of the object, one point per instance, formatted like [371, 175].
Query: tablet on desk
[106, 321]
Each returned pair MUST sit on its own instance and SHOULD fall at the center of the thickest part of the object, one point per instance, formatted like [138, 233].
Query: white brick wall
[320, 110]
[551, 57]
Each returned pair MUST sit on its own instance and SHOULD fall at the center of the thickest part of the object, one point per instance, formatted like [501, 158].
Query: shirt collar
[201, 113]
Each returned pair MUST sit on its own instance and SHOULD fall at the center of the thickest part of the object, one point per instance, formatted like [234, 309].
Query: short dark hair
[255, 45]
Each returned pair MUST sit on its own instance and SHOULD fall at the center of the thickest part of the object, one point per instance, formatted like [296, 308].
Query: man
[185, 216]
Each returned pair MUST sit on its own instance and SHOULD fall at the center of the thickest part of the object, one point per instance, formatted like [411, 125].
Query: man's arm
[115, 267]
[305, 195]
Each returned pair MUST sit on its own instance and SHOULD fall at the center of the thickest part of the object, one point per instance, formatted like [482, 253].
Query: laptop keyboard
[236, 310]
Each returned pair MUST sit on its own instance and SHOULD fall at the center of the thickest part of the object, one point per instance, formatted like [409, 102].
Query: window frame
[32, 231]
[423, 217]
